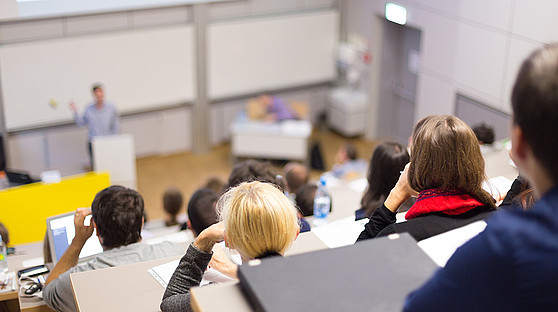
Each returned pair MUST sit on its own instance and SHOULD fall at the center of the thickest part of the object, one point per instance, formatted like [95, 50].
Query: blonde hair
[446, 155]
[258, 219]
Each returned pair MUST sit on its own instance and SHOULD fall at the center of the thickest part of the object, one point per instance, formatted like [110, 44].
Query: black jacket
[382, 223]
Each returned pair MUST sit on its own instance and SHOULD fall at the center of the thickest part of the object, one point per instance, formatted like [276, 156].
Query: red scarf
[452, 202]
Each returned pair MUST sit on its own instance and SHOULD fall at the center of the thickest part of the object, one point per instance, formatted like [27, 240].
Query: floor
[188, 171]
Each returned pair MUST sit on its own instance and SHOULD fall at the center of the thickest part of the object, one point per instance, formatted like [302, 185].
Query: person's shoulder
[168, 249]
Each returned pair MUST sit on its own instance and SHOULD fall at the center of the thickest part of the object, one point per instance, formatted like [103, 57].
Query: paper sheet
[339, 233]
[442, 246]
[498, 187]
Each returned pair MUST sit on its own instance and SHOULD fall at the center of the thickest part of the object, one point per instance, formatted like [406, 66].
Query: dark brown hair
[172, 203]
[446, 155]
[118, 213]
[535, 105]
[386, 163]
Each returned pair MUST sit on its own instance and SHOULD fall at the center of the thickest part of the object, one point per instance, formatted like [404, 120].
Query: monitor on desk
[61, 231]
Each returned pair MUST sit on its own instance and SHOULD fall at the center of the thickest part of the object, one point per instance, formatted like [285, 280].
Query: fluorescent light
[396, 13]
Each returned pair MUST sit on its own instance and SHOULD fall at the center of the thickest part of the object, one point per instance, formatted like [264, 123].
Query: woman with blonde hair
[257, 220]
[446, 172]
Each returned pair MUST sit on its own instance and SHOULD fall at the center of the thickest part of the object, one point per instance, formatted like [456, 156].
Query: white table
[283, 140]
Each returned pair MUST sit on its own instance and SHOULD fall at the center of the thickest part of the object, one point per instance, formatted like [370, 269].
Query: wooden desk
[124, 288]
[131, 288]
[15, 262]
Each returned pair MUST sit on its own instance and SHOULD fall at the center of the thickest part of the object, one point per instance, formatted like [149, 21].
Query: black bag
[316, 160]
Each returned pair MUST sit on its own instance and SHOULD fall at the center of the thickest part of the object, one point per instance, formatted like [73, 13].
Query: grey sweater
[188, 274]
[58, 294]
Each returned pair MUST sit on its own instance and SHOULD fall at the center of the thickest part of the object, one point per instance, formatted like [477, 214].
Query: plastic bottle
[322, 202]
[3, 253]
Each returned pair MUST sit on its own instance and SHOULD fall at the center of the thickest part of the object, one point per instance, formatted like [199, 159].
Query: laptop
[61, 231]
[19, 178]
[372, 275]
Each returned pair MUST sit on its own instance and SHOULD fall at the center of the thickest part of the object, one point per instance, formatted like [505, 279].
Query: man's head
[484, 133]
[118, 215]
[305, 199]
[296, 176]
[98, 93]
[535, 119]
[201, 210]
[253, 170]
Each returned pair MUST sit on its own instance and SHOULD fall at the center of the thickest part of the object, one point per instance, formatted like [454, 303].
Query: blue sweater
[511, 266]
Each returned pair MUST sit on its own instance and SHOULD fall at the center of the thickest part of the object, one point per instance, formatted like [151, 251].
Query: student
[384, 169]
[347, 164]
[511, 266]
[117, 216]
[253, 170]
[201, 210]
[258, 220]
[296, 176]
[447, 171]
[172, 203]
[305, 199]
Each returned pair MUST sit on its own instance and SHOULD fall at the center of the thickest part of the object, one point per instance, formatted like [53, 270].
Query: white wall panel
[26, 152]
[439, 42]
[174, 130]
[14, 32]
[230, 9]
[480, 59]
[269, 6]
[164, 16]
[317, 3]
[440, 6]
[97, 23]
[144, 129]
[536, 19]
[519, 50]
[494, 13]
[434, 96]
[67, 149]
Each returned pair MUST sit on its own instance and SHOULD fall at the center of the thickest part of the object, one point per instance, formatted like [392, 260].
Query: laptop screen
[61, 231]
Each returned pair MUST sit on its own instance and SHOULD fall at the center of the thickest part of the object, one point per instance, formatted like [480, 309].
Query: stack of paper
[8, 282]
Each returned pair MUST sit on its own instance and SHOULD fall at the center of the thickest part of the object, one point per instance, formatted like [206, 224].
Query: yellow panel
[24, 209]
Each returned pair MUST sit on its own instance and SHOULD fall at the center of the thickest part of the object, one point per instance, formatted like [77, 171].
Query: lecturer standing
[100, 117]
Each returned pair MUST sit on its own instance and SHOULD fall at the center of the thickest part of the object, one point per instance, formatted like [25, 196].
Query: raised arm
[190, 270]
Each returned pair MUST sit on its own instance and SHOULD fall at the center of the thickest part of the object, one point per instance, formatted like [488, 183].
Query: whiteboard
[141, 70]
[271, 53]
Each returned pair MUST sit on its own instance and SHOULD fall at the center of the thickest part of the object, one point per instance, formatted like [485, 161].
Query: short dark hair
[305, 199]
[201, 209]
[254, 170]
[96, 86]
[484, 133]
[118, 212]
[296, 176]
[5, 234]
[351, 151]
[172, 201]
[386, 163]
[535, 105]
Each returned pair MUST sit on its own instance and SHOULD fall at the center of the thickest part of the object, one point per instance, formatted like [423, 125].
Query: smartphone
[33, 271]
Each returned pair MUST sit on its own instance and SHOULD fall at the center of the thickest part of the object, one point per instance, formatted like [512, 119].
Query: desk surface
[132, 288]
[15, 262]
[123, 288]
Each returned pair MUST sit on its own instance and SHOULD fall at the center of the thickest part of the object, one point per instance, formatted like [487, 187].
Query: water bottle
[3, 253]
[322, 202]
